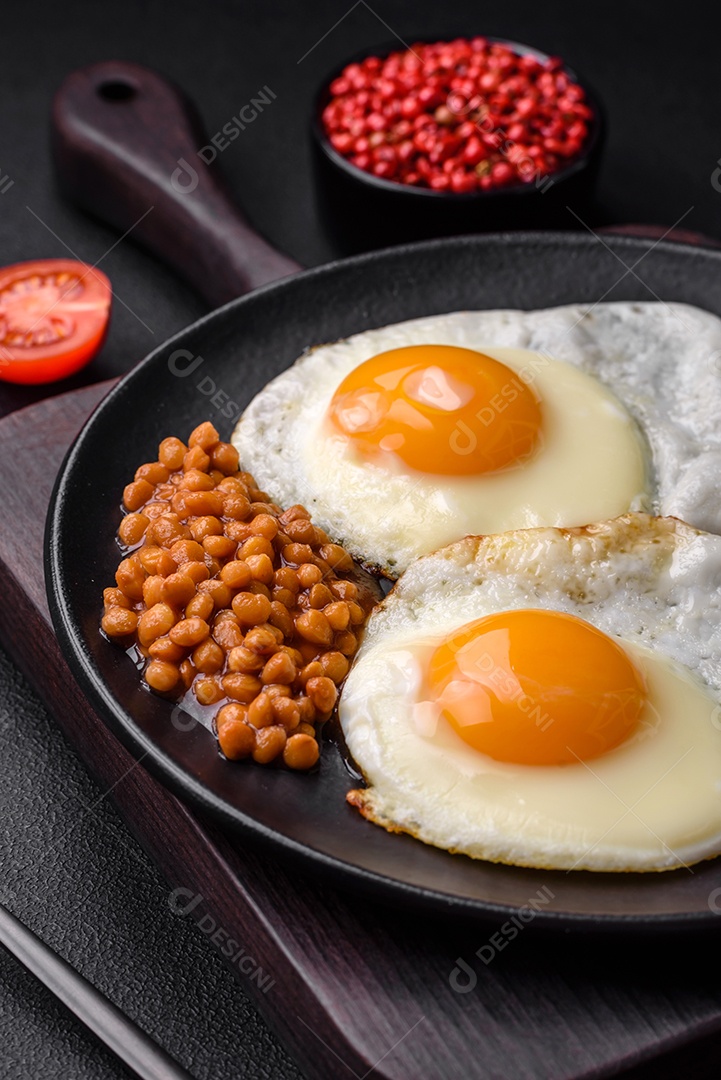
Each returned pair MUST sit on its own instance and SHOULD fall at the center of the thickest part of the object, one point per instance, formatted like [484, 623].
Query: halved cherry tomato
[53, 318]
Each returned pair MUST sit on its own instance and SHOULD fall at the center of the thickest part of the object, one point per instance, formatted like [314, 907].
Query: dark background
[75, 875]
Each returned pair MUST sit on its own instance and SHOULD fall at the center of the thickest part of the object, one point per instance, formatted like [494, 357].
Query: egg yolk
[440, 409]
[536, 687]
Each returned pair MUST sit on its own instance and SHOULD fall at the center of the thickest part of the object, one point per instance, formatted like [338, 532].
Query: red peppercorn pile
[458, 116]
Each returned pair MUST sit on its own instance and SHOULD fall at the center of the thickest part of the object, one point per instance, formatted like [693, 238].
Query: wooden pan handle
[125, 145]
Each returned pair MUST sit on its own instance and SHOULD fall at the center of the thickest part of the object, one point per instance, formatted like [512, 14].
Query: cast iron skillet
[110, 138]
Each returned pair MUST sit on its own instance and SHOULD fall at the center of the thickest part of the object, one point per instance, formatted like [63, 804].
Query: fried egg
[548, 698]
[404, 438]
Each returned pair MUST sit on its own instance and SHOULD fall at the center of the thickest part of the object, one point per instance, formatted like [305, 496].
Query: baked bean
[251, 608]
[115, 598]
[227, 633]
[154, 472]
[262, 640]
[208, 538]
[196, 479]
[286, 712]
[196, 570]
[206, 526]
[286, 578]
[322, 692]
[283, 596]
[187, 673]
[308, 575]
[281, 618]
[279, 669]
[237, 507]
[346, 642]
[301, 751]
[264, 525]
[334, 665]
[156, 560]
[224, 457]
[233, 484]
[189, 632]
[307, 650]
[162, 676]
[196, 460]
[336, 557]
[269, 743]
[260, 711]
[314, 627]
[178, 503]
[220, 593]
[344, 590]
[153, 590]
[261, 567]
[236, 574]
[293, 653]
[241, 687]
[156, 622]
[201, 606]
[204, 435]
[338, 615]
[274, 690]
[245, 660]
[293, 513]
[129, 578]
[300, 530]
[119, 621]
[312, 670]
[357, 615]
[297, 554]
[166, 530]
[137, 494]
[171, 453]
[132, 528]
[155, 509]
[208, 657]
[236, 737]
[307, 711]
[165, 649]
[320, 595]
[238, 531]
[257, 545]
[208, 691]
[178, 589]
[204, 503]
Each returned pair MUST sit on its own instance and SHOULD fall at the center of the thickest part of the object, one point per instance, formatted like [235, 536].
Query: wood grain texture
[357, 988]
[125, 145]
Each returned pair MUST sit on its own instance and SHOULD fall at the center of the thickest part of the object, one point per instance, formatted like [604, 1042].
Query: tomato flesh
[54, 316]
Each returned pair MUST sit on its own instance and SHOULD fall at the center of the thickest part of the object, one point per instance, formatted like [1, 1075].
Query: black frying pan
[120, 131]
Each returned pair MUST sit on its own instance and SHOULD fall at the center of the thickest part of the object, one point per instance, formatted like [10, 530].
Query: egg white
[653, 803]
[658, 362]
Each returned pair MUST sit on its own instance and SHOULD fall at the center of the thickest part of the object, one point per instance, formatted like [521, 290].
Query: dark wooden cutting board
[352, 988]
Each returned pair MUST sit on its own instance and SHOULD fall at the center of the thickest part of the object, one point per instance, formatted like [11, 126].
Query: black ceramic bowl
[363, 211]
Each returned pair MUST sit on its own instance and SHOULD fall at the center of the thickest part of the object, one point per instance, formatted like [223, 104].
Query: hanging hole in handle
[116, 90]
